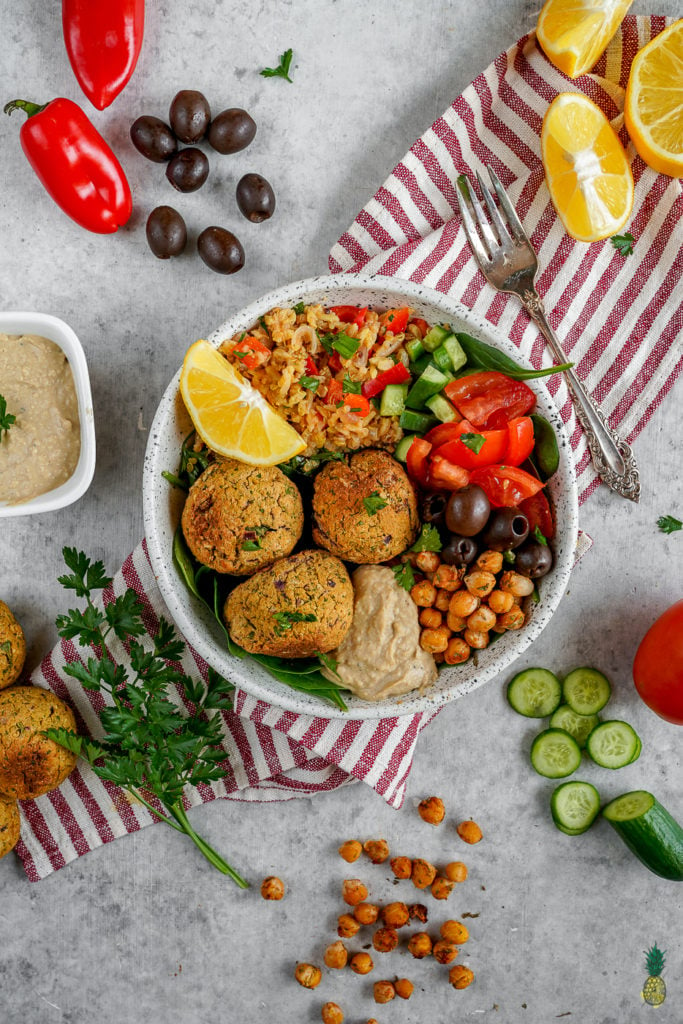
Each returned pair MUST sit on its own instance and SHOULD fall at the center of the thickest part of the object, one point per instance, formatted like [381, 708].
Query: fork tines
[485, 243]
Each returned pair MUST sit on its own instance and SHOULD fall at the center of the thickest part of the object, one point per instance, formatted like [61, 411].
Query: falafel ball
[364, 511]
[238, 518]
[30, 763]
[12, 647]
[299, 606]
[10, 824]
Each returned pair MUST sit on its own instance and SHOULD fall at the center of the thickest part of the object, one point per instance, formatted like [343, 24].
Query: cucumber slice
[429, 383]
[613, 744]
[418, 422]
[555, 754]
[393, 400]
[441, 408]
[401, 449]
[414, 348]
[455, 351]
[574, 807]
[586, 691]
[534, 693]
[578, 726]
[435, 337]
[442, 359]
[649, 831]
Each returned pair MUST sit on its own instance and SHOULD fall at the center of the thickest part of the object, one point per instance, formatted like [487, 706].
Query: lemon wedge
[574, 33]
[586, 168]
[231, 416]
[654, 102]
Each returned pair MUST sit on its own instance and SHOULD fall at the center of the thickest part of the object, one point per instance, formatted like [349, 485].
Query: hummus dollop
[380, 656]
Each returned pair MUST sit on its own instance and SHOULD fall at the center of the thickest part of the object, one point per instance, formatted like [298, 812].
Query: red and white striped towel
[620, 323]
[620, 319]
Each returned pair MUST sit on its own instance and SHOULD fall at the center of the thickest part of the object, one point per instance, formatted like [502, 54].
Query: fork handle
[612, 457]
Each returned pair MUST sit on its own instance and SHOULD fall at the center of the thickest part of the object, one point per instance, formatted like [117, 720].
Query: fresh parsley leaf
[285, 620]
[251, 545]
[351, 387]
[428, 539]
[342, 343]
[282, 70]
[310, 383]
[475, 442]
[404, 575]
[373, 503]
[540, 537]
[299, 308]
[669, 524]
[623, 243]
[6, 418]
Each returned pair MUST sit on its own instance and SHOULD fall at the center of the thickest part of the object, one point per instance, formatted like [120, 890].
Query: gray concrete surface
[142, 930]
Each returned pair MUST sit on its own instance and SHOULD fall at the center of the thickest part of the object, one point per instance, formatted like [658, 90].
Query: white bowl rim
[191, 616]
[57, 330]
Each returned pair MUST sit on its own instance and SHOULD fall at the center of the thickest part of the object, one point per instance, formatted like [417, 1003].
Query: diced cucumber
[420, 364]
[578, 726]
[649, 831]
[401, 449]
[613, 744]
[429, 383]
[417, 422]
[442, 359]
[586, 691]
[435, 336]
[555, 754]
[534, 692]
[574, 807]
[393, 400]
[455, 351]
[441, 408]
[414, 348]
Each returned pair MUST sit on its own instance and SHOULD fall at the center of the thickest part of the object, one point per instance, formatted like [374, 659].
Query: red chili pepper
[103, 40]
[350, 314]
[396, 374]
[75, 164]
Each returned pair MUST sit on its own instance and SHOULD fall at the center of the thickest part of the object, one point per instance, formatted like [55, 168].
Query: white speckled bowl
[162, 507]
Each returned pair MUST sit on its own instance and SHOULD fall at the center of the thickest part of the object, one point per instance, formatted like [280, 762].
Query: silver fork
[508, 262]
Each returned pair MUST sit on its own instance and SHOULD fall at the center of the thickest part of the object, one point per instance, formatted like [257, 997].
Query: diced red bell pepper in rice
[396, 374]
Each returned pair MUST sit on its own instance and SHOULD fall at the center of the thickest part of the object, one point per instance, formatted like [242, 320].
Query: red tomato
[444, 474]
[251, 353]
[492, 451]
[520, 440]
[395, 320]
[478, 396]
[658, 666]
[351, 314]
[538, 512]
[416, 461]
[444, 432]
[506, 485]
[421, 324]
[334, 362]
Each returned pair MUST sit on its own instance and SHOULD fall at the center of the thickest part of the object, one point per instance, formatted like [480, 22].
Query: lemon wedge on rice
[574, 33]
[230, 415]
[654, 102]
[586, 168]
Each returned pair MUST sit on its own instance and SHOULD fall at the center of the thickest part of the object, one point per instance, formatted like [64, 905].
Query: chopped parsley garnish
[6, 418]
[310, 383]
[404, 575]
[373, 503]
[285, 620]
[540, 537]
[623, 243]
[253, 537]
[428, 540]
[282, 70]
[475, 442]
[342, 343]
[351, 387]
[669, 524]
[299, 308]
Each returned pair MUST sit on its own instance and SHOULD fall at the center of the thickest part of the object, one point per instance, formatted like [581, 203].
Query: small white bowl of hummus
[47, 425]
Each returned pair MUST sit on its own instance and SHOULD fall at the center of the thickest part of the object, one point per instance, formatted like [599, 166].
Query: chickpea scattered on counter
[366, 913]
[418, 912]
[420, 945]
[347, 926]
[454, 931]
[308, 975]
[385, 940]
[353, 891]
[361, 963]
[442, 887]
[336, 955]
[372, 1021]
[432, 810]
[350, 850]
[401, 866]
[460, 976]
[456, 871]
[423, 873]
[332, 1014]
[469, 832]
[383, 991]
[377, 850]
[272, 888]
[404, 988]
[444, 952]
[395, 915]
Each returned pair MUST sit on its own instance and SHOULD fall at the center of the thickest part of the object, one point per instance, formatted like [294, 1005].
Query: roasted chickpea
[500, 602]
[480, 583]
[350, 850]
[401, 866]
[469, 831]
[430, 618]
[463, 604]
[372, 1020]
[418, 912]
[377, 850]
[476, 639]
[423, 594]
[454, 931]
[427, 561]
[460, 976]
[366, 913]
[447, 577]
[395, 915]
[353, 891]
[383, 991]
[420, 945]
[432, 810]
[385, 939]
[435, 640]
[308, 975]
[514, 619]
[456, 871]
[332, 1014]
[347, 926]
[518, 586]
[490, 561]
[457, 651]
[482, 620]
[361, 963]
[456, 623]
[423, 874]
[444, 952]
[336, 955]
[272, 888]
[404, 988]
[442, 600]
[442, 888]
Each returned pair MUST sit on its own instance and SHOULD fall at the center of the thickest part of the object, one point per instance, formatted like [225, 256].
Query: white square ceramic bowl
[56, 330]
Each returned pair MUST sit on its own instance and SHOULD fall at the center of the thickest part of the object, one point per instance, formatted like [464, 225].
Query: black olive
[188, 170]
[459, 550]
[166, 232]
[153, 138]
[231, 130]
[467, 511]
[189, 115]
[534, 560]
[507, 528]
[221, 250]
[434, 508]
[255, 198]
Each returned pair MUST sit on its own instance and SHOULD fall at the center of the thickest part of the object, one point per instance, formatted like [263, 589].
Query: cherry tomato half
[395, 320]
[506, 485]
[538, 512]
[417, 461]
[478, 396]
[658, 666]
[491, 450]
[521, 440]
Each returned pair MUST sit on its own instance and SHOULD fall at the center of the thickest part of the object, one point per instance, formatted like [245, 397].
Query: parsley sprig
[282, 70]
[6, 418]
[669, 524]
[623, 243]
[150, 746]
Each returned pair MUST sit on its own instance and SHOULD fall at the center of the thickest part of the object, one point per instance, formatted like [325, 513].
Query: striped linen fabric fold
[620, 319]
[271, 754]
